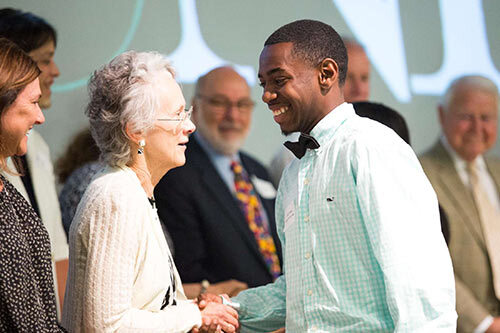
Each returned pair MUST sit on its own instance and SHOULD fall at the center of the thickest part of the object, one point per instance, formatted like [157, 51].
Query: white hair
[475, 82]
[123, 93]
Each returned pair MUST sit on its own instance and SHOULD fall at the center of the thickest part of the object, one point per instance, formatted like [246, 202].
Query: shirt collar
[460, 163]
[215, 156]
[326, 128]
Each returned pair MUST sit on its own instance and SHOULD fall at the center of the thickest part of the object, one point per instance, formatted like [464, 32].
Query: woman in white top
[122, 276]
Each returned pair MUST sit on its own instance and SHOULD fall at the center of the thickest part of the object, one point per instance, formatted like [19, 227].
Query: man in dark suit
[467, 184]
[213, 237]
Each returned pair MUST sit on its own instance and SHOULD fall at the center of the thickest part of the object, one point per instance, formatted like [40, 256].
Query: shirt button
[309, 292]
[306, 218]
[306, 181]
[308, 255]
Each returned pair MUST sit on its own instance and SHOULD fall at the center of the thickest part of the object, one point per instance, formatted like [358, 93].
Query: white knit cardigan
[119, 263]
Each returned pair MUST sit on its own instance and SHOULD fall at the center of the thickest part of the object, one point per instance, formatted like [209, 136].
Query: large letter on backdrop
[465, 48]
[376, 24]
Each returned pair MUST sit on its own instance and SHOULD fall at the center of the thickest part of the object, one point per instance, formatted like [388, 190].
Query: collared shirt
[222, 164]
[363, 249]
[491, 191]
[484, 176]
[281, 159]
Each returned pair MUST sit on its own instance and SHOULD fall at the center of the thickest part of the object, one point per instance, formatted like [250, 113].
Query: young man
[356, 89]
[356, 216]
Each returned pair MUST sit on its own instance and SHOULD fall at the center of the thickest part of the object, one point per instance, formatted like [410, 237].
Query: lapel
[492, 231]
[213, 183]
[494, 169]
[454, 188]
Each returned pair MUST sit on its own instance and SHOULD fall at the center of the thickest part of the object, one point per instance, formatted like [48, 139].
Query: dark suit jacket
[211, 236]
[474, 279]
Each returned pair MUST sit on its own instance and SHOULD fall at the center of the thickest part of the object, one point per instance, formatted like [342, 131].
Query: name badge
[264, 188]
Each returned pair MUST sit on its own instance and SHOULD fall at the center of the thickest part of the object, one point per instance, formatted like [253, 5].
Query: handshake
[218, 314]
[215, 315]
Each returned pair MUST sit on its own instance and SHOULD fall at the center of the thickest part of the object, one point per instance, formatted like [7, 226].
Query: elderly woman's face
[18, 120]
[164, 144]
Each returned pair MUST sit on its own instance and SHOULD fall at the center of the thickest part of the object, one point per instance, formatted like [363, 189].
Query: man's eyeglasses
[181, 118]
[221, 104]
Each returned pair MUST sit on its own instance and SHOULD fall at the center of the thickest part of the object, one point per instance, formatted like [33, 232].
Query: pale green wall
[91, 32]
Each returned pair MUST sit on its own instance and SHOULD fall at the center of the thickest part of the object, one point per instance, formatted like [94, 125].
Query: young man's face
[291, 88]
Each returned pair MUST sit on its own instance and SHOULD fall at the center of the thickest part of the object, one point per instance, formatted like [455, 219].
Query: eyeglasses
[221, 104]
[181, 118]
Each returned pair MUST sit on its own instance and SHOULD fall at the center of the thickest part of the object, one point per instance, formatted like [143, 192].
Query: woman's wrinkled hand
[217, 317]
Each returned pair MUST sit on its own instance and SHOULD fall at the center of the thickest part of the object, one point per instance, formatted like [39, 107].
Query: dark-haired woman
[27, 299]
[38, 39]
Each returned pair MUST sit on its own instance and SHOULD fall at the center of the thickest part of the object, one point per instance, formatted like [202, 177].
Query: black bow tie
[305, 142]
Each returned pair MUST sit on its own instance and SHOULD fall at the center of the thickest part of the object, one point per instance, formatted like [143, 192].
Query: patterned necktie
[250, 207]
[490, 222]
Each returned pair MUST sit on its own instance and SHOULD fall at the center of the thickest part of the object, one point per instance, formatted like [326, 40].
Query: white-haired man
[467, 184]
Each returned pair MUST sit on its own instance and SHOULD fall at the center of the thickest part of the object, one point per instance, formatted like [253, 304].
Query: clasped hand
[215, 316]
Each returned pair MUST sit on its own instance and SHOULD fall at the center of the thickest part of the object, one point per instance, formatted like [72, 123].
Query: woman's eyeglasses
[181, 118]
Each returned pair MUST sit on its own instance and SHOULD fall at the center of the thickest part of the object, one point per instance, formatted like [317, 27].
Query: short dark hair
[384, 115]
[313, 41]
[25, 29]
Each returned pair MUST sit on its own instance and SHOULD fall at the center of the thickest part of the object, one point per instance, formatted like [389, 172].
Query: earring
[142, 144]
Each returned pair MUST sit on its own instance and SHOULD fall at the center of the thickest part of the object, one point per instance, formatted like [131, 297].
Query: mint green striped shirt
[360, 231]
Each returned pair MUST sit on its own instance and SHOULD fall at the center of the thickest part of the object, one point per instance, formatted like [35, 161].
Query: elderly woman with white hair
[122, 276]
